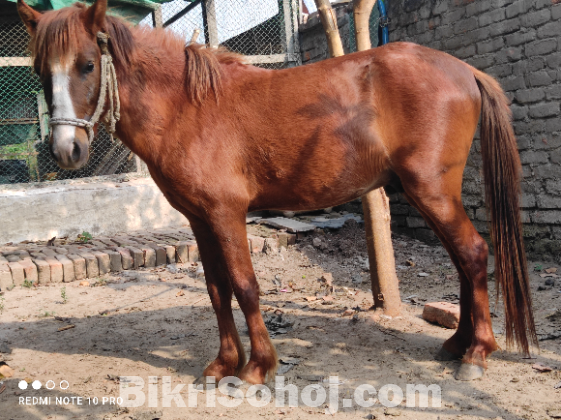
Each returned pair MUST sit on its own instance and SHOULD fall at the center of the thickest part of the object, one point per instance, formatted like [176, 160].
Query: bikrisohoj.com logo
[136, 392]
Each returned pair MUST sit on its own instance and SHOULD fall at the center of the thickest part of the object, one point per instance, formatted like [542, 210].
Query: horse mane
[203, 72]
[59, 34]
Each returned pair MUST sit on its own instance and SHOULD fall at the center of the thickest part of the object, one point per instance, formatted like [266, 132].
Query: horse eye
[89, 67]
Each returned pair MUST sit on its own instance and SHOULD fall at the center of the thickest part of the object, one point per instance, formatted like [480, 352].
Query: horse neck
[151, 89]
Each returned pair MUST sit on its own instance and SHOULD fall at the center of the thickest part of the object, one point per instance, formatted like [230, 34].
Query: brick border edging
[43, 264]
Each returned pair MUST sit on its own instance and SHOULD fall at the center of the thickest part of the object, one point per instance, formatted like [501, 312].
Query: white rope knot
[108, 88]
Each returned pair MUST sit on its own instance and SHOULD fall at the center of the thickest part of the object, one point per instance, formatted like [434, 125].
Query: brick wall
[519, 43]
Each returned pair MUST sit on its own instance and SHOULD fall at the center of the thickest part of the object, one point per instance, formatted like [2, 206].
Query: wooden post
[289, 39]
[209, 20]
[195, 36]
[157, 18]
[43, 111]
[329, 21]
[376, 205]
[295, 41]
[385, 285]
[362, 9]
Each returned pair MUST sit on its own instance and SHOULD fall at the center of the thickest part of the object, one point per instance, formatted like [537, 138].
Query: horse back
[325, 133]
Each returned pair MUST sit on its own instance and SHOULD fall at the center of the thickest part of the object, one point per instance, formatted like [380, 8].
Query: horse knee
[247, 294]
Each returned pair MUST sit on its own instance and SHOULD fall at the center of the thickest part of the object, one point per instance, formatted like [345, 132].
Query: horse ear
[29, 16]
[95, 16]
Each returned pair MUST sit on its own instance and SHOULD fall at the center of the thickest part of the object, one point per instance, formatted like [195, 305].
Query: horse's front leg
[231, 357]
[233, 251]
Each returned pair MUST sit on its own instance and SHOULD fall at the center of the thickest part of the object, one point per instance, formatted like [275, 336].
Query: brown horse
[222, 138]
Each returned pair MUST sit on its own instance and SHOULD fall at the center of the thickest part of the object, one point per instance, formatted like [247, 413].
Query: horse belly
[322, 183]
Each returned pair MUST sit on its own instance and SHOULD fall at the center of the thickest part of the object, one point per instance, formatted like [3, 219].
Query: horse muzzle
[69, 146]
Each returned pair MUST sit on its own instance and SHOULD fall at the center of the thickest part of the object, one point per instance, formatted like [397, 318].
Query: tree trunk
[375, 203]
[385, 285]
[329, 22]
[362, 9]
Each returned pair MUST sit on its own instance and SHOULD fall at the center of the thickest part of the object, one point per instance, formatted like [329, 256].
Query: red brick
[286, 239]
[57, 273]
[103, 260]
[443, 313]
[149, 256]
[115, 263]
[256, 244]
[43, 270]
[170, 253]
[48, 252]
[92, 266]
[193, 251]
[67, 268]
[29, 270]
[18, 275]
[137, 256]
[79, 266]
[182, 252]
[126, 258]
[160, 253]
[5, 277]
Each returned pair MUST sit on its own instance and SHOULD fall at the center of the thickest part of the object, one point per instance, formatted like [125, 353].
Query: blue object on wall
[384, 21]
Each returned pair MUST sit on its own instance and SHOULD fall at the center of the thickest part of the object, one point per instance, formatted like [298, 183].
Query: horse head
[67, 57]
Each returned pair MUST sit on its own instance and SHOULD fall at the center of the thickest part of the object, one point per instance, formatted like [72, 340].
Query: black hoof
[444, 355]
[201, 380]
[469, 372]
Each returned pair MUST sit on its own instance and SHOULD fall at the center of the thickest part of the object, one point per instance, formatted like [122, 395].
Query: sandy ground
[159, 322]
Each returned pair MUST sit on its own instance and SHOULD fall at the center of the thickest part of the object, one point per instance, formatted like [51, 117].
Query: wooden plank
[272, 58]
[43, 115]
[296, 38]
[287, 30]
[211, 27]
[15, 62]
[157, 18]
[19, 121]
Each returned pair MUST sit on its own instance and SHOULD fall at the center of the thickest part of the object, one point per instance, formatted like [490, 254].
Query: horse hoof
[469, 372]
[444, 355]
[201, 380]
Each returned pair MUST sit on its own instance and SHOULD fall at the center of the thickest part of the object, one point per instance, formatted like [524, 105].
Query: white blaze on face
[63, 135]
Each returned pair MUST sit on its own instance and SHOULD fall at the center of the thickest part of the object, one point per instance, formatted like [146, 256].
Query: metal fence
[263, 30]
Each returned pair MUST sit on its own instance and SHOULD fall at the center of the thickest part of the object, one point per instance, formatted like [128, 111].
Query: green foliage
[85, 237]
[28, 284]
[63, 295]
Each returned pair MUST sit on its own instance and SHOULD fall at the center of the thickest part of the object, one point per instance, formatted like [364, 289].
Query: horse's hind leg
[439, 200]
[231, 357]
[456, 346]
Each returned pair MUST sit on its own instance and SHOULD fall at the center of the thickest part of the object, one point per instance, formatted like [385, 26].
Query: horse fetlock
[258, 372]
[220, 368]
[444, 355]
[262, 366]
[457, 345]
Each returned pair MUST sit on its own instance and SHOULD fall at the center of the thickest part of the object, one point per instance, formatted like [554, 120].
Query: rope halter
[108, 88]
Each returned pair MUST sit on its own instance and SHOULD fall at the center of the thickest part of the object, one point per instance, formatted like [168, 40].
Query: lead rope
[108, 86]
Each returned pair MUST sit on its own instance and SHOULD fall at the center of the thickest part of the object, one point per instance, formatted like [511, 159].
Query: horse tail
[502, 173]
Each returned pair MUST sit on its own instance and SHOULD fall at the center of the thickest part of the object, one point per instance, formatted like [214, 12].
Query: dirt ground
[159, 322]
